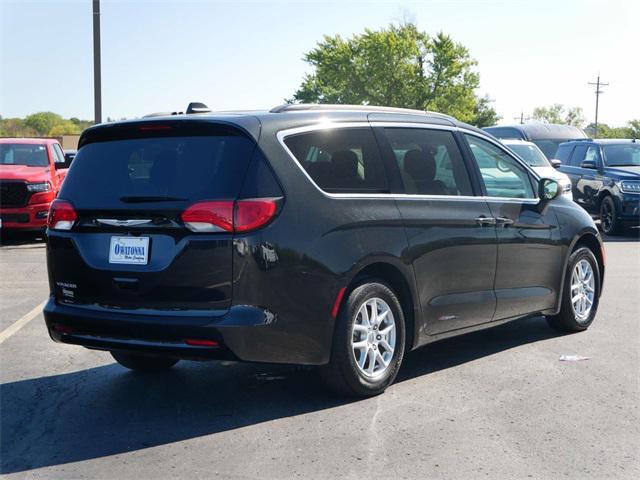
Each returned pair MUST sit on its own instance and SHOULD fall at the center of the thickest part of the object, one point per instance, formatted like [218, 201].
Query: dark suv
[334, 236]
[605, 175]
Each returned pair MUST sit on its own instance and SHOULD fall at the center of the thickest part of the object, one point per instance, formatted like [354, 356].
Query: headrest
[419, 165]
[345, 163]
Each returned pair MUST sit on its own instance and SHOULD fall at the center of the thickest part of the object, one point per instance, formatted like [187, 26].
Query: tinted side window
[563, 153]
[429, 161]
[502, 175]
[578, 155]
[341, 160]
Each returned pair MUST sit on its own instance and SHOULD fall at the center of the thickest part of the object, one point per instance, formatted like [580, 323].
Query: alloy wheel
[373, 341]
[582, 289]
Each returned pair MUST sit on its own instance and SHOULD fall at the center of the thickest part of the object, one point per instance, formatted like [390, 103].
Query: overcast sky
[160, 55]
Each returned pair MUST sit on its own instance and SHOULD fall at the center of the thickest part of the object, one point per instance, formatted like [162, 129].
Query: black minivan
[336, 236]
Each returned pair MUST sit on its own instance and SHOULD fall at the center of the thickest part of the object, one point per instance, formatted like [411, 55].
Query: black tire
[342, 373]
[567, 320]
[609, 221]
[143, 363]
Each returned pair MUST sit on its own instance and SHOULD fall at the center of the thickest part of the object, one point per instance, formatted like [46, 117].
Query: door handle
[482, 221]
[505, 222]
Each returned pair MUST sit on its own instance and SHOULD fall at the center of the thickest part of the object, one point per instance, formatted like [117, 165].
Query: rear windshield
[23, 154]
[161, 169]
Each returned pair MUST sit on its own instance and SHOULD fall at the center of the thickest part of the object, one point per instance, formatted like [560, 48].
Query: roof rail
[301, 107]
[580, 140]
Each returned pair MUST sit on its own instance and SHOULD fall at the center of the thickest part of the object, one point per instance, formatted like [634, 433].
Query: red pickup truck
[31, 173]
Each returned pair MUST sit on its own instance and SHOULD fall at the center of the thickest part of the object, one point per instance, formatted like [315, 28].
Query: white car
[531, 154]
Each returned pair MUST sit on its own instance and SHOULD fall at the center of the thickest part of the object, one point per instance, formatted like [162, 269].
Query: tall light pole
[97, 87]
[597, 84]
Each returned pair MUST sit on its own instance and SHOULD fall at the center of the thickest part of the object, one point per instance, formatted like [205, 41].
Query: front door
[451, 238]
[529, 248]
[587, 182]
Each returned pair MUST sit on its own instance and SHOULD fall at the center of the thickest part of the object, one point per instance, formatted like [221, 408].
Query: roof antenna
[197, 107]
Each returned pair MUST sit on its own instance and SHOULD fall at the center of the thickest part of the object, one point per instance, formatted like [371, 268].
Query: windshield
[23, 154]
[530, 154]
[622, 154]
[548, 147]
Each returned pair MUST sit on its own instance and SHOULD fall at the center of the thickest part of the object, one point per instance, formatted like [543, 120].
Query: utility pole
[97, 87]
[598, 84]
[522, 118]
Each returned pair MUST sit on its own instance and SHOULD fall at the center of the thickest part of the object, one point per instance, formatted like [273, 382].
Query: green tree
[397, 66]
[634, 126]
[65, 127]
[558, 113]
[43, 122]
[605, 131]
[15, 127]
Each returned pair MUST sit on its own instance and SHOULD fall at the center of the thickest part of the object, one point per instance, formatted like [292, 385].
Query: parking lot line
[18, 324]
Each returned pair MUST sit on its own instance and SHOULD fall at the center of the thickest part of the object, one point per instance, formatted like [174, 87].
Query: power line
[598, 84]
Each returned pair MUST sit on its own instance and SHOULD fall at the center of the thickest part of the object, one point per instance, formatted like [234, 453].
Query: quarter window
[502, 175]
[341, 160]
[429, 161]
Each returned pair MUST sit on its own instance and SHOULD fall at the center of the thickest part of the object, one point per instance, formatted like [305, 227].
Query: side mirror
[548, 189]
[589, 164]
[60, 165]
[555, 163]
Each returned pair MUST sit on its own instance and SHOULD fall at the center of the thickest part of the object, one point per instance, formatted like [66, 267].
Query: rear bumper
[30, 217]
[245, 333]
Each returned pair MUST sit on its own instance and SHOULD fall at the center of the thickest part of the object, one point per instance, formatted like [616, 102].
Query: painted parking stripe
[15, 327]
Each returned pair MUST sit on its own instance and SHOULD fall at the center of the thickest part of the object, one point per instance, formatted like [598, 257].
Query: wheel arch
[401, 283]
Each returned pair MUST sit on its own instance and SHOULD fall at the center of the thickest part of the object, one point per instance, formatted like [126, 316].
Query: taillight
[209, 217]
[62, 215]
[230, 216]
[253, 213]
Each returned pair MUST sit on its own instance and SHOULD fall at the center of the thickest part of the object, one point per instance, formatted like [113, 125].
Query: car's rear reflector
[60, 328]
[62, 215]
[229, 216]
[198, 342]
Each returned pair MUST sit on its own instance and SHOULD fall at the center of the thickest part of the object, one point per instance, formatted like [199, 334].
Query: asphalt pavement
[492, 404]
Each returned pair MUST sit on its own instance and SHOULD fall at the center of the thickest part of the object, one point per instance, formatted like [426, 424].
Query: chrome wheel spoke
[388, 329]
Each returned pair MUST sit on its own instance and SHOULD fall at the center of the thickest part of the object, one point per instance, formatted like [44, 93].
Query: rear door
[530, 252]
[129, 248]
[452, 240]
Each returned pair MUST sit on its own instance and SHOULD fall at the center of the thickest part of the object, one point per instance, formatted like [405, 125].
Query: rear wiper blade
[150, 198]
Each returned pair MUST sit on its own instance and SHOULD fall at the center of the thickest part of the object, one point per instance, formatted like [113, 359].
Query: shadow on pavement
[11, 238]
[629, 235]
[107, 410]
